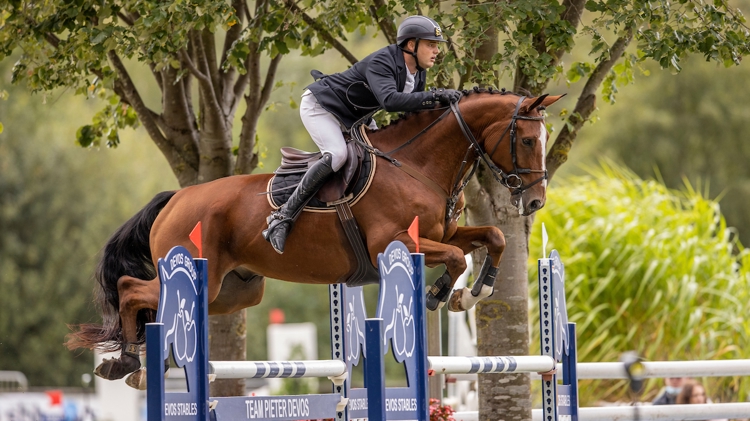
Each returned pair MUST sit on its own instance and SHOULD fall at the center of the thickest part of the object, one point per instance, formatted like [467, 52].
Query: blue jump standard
[399, 323]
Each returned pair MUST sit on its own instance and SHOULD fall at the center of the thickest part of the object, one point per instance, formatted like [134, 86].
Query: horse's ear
[545, 100]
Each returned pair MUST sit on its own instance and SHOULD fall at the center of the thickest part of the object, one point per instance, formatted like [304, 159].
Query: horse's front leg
[469, 239]
[436, 253]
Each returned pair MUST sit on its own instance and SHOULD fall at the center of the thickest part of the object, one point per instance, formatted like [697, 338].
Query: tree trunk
[502, 318]
[227, 340]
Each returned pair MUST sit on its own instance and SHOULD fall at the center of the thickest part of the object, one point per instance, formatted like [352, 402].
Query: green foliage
[107, 123]
[648, 269]
[687, 126]
[66, 44]
[58, 205]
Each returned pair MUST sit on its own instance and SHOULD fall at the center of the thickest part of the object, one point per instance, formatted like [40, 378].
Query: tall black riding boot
[280, 222]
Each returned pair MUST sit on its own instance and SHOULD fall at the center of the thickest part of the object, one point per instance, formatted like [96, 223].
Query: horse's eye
[528, 141]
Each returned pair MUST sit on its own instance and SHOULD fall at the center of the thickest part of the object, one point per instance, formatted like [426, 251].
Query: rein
[511, 180]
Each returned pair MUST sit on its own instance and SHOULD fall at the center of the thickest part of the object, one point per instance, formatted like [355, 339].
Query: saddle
[339, 193]
[347, 184]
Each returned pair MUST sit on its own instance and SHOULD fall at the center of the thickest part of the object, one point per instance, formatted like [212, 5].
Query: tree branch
[387, 27]
[558, 153]
[177, 119]
[253, 74]
[206, 87]
[247, 159]
[185, 173]
[571, 14]
[228, 95]
[125, 18]
[130, 21]
[51, 38]
[208, 42]
[268, 83]
[255, 100]
[133, 98]
[322, 32]
[240, 85]
[187, 62]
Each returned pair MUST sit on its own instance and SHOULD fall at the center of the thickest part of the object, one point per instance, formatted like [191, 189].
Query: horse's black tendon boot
[437, 295]
[280, 222]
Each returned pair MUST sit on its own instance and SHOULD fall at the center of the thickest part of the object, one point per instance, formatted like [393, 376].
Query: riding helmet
[419, 27]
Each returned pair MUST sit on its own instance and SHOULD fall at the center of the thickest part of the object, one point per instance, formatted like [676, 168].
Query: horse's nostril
[535, 205]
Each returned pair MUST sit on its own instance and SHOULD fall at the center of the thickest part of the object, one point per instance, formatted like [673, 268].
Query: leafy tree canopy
[81, 44]
[57, 207]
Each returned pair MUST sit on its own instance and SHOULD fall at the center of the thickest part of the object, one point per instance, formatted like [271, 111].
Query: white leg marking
[543, 139]
[462, 300]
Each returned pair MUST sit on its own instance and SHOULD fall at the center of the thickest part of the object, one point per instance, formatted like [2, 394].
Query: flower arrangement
[439, 412]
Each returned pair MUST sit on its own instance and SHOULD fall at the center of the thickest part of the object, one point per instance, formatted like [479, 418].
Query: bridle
[512, 180]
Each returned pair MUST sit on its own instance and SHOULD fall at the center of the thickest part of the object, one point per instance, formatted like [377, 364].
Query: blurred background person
[693, 393]
[672, 388]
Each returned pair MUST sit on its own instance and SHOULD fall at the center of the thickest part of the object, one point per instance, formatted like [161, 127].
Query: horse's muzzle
[526, 209]
[534, 206]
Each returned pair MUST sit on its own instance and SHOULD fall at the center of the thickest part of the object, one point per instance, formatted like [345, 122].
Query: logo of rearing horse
[178, 298]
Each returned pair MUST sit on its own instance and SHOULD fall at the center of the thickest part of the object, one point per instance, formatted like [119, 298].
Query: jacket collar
[400, 68]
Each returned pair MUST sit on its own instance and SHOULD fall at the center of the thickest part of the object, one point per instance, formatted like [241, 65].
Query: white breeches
[324, 129]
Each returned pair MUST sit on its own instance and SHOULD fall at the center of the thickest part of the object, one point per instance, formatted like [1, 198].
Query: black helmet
[420, 27]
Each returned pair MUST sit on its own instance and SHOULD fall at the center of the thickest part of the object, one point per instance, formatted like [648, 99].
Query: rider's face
[427, 52]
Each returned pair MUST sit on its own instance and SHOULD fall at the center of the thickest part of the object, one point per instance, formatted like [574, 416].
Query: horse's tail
[126, 253]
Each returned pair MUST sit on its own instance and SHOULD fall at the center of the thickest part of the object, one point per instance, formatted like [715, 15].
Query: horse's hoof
[117, 368]
[455, 303]
[137, 379]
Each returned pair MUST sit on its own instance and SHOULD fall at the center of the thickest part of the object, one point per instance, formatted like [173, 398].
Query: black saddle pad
[281, 186]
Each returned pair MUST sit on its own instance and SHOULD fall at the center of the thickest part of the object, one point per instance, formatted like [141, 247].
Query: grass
[648, 269]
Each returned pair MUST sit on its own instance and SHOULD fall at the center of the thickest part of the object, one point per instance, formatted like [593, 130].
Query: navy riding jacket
[376, 82]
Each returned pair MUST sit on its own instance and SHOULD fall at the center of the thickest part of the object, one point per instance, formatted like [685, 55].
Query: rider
[392, 78]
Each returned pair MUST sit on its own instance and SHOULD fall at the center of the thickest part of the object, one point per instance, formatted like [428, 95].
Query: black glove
[446, 96]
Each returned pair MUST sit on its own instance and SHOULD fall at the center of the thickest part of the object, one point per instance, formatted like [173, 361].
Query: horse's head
[516, 145]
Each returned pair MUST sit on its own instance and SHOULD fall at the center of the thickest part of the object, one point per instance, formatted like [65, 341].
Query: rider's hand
[446, 96]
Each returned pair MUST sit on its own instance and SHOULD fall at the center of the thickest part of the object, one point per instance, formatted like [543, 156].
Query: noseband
[511, 180]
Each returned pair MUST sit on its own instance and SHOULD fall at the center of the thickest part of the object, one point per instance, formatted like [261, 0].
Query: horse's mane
[466, 93]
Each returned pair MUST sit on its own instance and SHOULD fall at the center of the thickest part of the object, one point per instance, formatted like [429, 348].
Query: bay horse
[505, 130]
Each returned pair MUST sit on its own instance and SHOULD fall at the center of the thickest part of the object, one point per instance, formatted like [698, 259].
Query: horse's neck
[437, 153]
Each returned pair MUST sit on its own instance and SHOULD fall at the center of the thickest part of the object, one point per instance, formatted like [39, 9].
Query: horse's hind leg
[135, 295]
[240, 289]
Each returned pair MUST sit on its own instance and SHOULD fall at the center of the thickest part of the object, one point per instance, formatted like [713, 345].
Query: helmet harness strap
[414, 53]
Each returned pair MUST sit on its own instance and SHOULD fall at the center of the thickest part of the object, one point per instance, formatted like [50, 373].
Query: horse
[439, 145]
